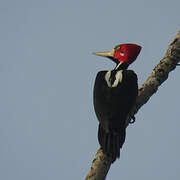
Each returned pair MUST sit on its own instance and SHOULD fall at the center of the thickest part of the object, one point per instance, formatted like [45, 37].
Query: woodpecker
[115, 92]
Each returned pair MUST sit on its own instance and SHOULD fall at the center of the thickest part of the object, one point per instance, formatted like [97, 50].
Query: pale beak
[105, 54]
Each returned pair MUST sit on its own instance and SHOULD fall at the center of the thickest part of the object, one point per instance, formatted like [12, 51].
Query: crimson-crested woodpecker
[115, 92]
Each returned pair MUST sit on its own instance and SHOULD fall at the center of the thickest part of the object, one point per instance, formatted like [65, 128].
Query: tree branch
[101, 163]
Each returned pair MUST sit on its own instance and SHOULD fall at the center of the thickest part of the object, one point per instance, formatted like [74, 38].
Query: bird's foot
[133, 119]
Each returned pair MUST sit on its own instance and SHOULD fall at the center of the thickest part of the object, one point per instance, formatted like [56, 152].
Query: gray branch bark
[101, 163]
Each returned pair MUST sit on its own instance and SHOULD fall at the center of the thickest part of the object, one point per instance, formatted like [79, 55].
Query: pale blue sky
[48, 129]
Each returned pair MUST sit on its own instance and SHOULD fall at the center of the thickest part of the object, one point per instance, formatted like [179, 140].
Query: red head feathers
[123, 53]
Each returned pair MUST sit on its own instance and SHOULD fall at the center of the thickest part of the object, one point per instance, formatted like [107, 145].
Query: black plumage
[112, 105]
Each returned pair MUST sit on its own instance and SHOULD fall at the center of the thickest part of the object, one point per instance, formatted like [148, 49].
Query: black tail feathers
[111, 142]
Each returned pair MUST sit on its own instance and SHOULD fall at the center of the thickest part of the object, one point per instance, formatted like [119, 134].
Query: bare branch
[101, 163]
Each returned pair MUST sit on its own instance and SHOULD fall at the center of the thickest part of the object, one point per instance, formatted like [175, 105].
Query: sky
[48, 128]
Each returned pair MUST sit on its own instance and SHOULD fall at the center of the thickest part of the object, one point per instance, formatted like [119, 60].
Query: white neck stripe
[118, 65]
[107, 78]
[118, 78]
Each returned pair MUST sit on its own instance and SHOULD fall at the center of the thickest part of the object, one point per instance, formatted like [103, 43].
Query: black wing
[112, 106]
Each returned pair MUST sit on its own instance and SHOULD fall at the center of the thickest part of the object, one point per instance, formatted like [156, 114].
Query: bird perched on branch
[115, 92]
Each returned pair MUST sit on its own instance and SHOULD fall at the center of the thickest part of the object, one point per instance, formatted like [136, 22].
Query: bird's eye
[122, 53]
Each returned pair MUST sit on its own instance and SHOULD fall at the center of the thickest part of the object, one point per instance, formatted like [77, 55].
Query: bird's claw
[133, 119]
